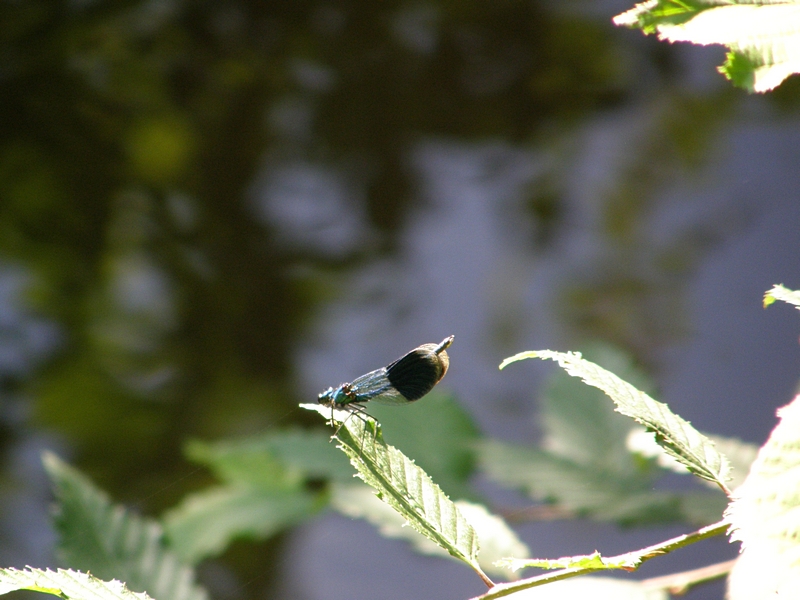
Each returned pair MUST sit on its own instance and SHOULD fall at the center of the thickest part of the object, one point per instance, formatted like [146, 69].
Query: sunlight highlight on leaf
[404, 486]
[676, 435]
[763, 37]
[65, 583]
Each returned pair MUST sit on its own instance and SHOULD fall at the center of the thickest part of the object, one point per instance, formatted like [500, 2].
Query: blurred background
[210, 211]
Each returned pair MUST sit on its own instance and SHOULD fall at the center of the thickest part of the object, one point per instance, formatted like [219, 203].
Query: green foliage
[763, 36]
[765, 515]
[111, 542]
[66, 584]
[264, 492]
[273, 460]
[497, 539]
[405, 486]
[205, 523]
[779, 292]
[589, 561]
[682, 441]
[572, 566]
[585, 465]
[593, 462]
[439, 435]
[586, 491]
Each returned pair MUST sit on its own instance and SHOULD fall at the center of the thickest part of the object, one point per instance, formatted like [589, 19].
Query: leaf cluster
[593, 462]
[762, 36]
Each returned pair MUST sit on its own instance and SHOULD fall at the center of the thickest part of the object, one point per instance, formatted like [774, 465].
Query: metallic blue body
[373, 386]
[405, 380]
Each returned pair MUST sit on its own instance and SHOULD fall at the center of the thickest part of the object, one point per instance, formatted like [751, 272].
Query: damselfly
[408, 378]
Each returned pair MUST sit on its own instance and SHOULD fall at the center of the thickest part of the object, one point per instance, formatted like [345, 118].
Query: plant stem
[680, 583]
[632, 560]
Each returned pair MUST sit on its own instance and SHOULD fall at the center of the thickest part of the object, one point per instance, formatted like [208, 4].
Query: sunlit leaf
[404, 486]
[677, 436]
[584, 561]
[67, 584]
[358, 501]
[779, 292]
[763, 36]
[439, 435]
[497, 539]
[765, 515]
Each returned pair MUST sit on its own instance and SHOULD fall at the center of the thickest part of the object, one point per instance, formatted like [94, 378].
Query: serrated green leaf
[68, 584]
[765, 512]
[586, 465]
[404, 486]
[779, 292]
[439, 435]
[112, 543]
[358, 501]
[740, 455]
[676, 435]
[763, 36]
[581, 425]
[497, 540]
[206, 522]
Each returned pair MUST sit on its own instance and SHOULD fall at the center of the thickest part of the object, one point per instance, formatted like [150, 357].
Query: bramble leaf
[404, 486]
[65, 583]
[113, 543]
[676, 435]
[762, 36]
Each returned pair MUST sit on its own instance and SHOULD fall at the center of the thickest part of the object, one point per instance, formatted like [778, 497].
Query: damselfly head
[326, 397]
[415, 374]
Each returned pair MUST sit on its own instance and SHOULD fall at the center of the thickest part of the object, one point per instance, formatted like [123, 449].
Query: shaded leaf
[582, 489]
[581, 425]
[111, 542]
[266, 491]
[205, 523]
[276, 460]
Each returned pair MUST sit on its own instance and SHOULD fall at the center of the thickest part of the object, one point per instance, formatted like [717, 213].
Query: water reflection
[214, 211]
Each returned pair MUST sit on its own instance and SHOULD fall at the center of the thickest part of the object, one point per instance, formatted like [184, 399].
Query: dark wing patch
[415, 374]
